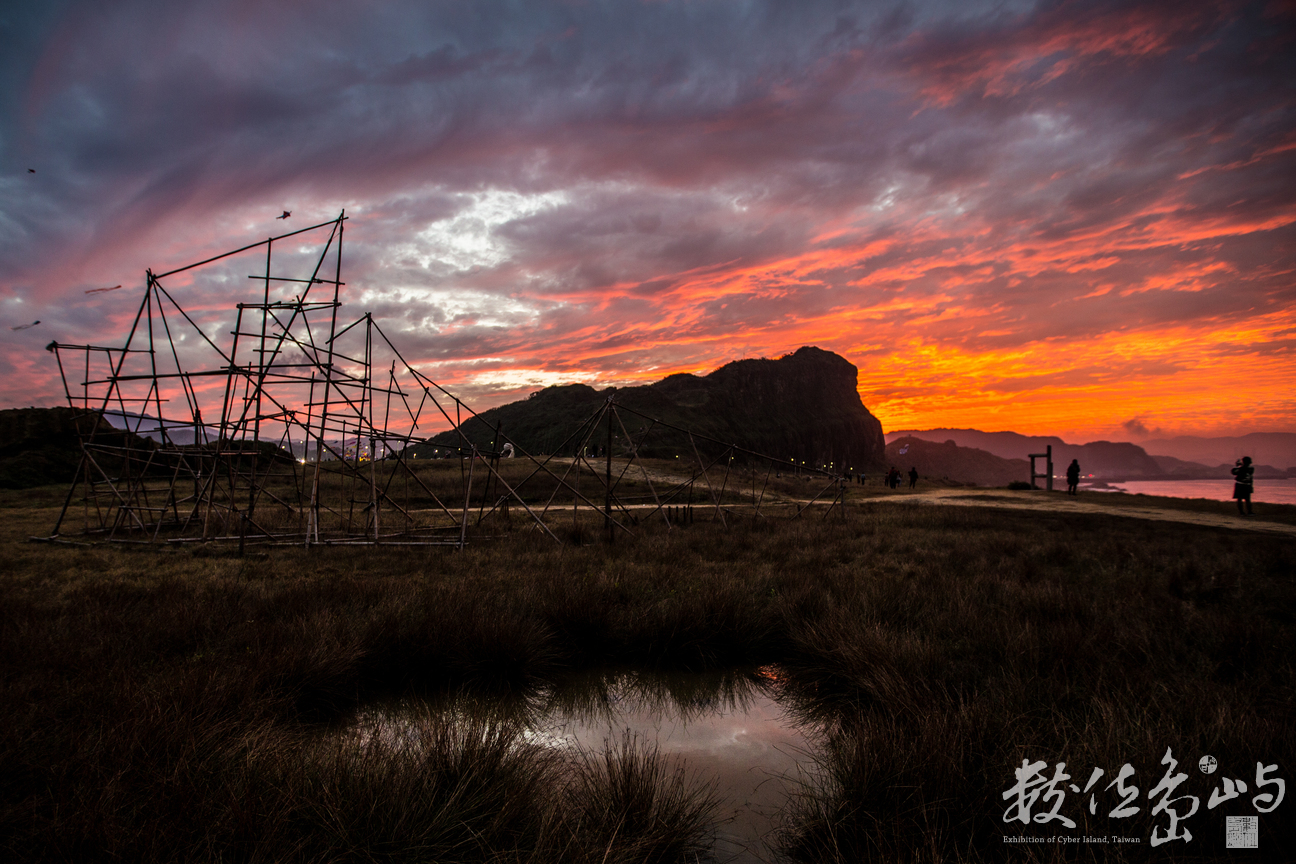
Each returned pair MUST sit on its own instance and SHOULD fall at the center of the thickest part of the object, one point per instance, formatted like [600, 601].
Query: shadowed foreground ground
[176, 704]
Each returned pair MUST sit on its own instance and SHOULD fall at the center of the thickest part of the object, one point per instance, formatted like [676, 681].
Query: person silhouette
[913, 477]
[1244, 474]
[1073, 477]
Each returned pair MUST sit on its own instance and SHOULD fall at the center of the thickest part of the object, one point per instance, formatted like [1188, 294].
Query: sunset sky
[1056, 218]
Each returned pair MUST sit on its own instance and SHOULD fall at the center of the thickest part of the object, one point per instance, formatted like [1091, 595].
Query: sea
[1273, 491]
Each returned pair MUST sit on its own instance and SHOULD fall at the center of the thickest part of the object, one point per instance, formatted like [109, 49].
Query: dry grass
[177, 704]
[1264, 511]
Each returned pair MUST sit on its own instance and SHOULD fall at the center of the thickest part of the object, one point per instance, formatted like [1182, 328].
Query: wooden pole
[607, 492]
[463, 526]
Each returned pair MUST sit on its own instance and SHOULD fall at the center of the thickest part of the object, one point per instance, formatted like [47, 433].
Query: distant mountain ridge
[804, 405]
[948, 461]
[1106, 460]
[1113, 460]
[1265, 448]
[43, 445]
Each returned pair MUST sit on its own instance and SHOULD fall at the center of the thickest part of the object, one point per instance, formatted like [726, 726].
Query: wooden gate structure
[303, 430]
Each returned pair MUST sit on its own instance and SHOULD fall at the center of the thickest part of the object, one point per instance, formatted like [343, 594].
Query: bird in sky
[285, 215]
[102, 290]
[25, 326]
[31, 170]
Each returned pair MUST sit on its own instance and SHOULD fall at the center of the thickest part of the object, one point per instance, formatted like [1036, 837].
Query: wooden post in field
[607, 496]
[496, 446]
[1047, 456]
[463, 525]
[373, 441]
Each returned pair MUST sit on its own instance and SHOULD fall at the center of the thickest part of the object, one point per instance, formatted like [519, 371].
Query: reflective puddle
[724, 728]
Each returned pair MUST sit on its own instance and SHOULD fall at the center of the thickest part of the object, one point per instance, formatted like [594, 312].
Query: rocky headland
[804, 406]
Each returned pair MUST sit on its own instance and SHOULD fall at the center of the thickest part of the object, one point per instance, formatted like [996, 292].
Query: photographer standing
[1242, 487]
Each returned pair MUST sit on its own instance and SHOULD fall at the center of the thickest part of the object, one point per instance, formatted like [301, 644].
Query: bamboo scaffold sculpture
[302, 430]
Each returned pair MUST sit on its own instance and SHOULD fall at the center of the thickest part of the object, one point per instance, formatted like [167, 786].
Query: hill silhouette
[42, 446]
[948, 461]
[1265, 448]
[1105, 460]
[802, 406]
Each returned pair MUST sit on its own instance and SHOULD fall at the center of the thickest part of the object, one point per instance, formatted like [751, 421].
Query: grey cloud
[659, 115]
[1136, 427]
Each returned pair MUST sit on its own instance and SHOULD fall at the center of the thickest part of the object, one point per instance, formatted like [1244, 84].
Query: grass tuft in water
[628, 804]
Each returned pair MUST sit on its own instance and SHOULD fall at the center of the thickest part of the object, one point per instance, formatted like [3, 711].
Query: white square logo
[1242, 832]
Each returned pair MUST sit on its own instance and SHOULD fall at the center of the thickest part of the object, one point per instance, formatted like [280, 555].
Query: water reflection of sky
[726, 728]
[1272, 491]
[723, 728]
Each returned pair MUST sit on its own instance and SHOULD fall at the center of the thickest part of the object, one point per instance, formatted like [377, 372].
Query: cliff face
[803, 406]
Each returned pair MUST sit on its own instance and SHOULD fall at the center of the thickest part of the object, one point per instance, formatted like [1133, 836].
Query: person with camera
[1243, 472]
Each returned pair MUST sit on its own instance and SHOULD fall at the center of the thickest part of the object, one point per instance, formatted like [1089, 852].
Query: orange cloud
[1051, 220]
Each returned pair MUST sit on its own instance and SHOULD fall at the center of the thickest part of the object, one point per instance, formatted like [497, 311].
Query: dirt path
[966, 497]
[1000, 498]
[666, 480]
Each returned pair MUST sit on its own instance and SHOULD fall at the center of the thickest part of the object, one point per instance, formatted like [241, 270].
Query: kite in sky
[25, 326]
[102, 290]
[285, 215]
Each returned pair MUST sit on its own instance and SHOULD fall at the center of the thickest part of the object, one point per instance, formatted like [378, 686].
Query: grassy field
[425, 498]
[182, 704]
[1264, 511]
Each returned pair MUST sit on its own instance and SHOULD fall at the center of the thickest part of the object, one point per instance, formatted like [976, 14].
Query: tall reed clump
[627, 804]
[431, 790]
[428, 790]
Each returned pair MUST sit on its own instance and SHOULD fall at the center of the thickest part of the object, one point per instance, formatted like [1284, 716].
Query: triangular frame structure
[299, 431]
